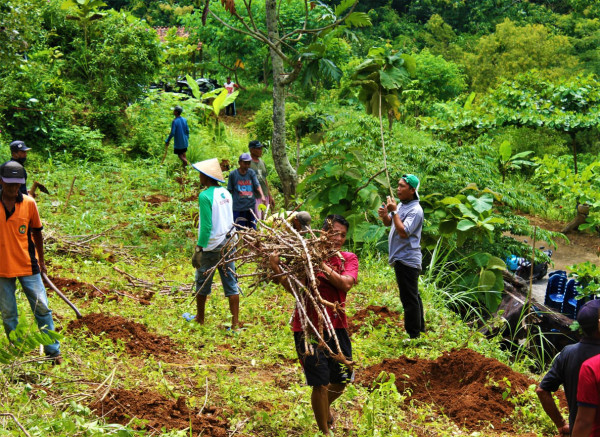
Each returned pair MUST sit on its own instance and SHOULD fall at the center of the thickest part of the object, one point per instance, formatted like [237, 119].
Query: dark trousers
[408, 284]
[230, 109]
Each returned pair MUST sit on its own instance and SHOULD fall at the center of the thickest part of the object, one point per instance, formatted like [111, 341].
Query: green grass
[253, 376]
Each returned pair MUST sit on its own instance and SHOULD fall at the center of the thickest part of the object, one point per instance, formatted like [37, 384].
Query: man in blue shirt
[406, 221]
[180, 134]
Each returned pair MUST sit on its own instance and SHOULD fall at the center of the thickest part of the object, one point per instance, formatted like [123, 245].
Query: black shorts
[179, 151]
[320, 368]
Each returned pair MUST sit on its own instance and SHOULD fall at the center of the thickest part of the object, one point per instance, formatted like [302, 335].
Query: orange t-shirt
[17, 251]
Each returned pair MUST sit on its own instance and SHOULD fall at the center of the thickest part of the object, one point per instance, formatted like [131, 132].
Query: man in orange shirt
[20, 238]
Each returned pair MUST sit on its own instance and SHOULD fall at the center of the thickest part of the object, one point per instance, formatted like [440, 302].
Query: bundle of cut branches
[82, 244]
[300, 261]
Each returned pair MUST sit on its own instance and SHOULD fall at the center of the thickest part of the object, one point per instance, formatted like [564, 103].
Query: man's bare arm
[584, 422]
[551, 410]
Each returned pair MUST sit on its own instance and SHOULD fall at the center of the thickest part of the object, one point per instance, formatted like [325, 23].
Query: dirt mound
[138, 341]
[156, 199]
[158, 412]
[377, 315]
[463, 384]
[77, 289]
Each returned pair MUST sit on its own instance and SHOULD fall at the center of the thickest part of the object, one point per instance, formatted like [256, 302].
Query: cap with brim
[588, 315]
[245, 157]
[413, 182]
[255, 144]
[17, 146]
[12, 173]
[304, 219]
[210, 168]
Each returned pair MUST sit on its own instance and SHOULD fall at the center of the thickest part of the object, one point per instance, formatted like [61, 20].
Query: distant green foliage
[574, 188]
[435, 80]
[513, 49]
[262, 127]
[588, 276]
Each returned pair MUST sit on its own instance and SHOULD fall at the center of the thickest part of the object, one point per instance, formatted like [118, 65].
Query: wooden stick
[17, 422]
[70, 192]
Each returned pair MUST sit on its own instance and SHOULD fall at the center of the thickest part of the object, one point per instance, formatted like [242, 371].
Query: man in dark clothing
[406, 222]
[565, 368]
[18, 153]
[180, 133]
[245, 188]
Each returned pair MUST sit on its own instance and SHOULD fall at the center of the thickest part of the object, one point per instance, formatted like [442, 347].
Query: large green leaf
[219, 102]
[465, 225]
[481, 259]
[337, 193]
[343, 6]
[487, 280]
[358, 19]
[505, 150]
[481, 204]
[393, 78]
[496, 263]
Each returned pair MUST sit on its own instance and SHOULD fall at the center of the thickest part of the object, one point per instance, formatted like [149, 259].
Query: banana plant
[218, 98]
[509, 162]
[381, 79]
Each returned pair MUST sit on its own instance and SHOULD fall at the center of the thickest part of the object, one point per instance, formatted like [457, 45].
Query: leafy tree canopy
[516, 49]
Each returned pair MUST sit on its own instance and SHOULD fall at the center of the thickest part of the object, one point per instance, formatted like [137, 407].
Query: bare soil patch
[376, 315]
[156, 199]
[138, 341]
[78, 289]
[155, 412]
[462, 384]
[580, 248]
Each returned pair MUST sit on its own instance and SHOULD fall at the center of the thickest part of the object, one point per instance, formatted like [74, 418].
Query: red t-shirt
[588, 389]
[328, 292]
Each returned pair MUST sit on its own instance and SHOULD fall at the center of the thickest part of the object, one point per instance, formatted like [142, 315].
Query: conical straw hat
[210, 168]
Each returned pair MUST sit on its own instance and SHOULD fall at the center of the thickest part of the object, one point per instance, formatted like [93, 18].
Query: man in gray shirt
[406, 221]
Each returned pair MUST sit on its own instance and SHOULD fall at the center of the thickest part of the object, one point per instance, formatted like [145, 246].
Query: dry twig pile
[300, 260]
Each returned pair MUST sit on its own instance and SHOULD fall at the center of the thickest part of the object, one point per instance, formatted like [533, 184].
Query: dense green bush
[262, 127]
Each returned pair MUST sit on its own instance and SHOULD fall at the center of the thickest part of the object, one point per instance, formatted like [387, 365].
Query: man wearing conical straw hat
[215, 222]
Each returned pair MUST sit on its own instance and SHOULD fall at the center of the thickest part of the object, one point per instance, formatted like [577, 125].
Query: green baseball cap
[413, 182]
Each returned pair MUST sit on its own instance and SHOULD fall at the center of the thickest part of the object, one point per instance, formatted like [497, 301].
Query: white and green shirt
[216, 217]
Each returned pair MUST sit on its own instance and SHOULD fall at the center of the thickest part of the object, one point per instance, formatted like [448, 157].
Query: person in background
[406, 221]
[300, 220]
[230, 87]
[18, 153]
[20, 241]
[215, 223]
[256, 148]
[565, 368]
[245, 188]
[180, 133]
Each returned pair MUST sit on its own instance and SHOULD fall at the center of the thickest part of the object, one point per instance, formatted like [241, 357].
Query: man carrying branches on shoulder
[324, 372]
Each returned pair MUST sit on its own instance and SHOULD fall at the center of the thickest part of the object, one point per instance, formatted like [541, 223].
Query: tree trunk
[284, 169]
[574, 146]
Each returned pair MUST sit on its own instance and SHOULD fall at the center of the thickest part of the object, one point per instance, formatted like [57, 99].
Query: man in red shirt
[336, 276]
[587, 422]
[20, 239]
